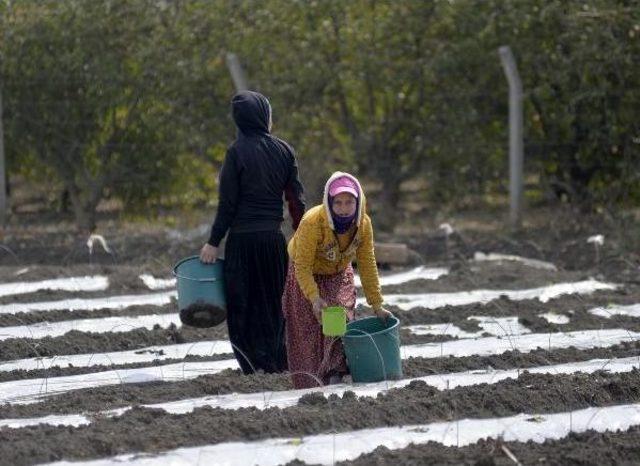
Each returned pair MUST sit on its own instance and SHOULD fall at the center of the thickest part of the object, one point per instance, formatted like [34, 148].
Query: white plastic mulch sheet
[95, 283]
[149, 354]
[494, 257]
[284, 399]
[553, 318]
[418, 273]
[32, 390]
[543, 294]
[524, 343]
[105, 324]
[73, 420]
[154, 283]
[91, 304]
[632, 310]
[27, 391]
[492, 325]
[329, 448]
[404, 301]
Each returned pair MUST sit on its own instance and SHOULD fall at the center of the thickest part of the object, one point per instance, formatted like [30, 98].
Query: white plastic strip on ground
[543, 294]
[95, 283]
[92, 304]
[632, 310]
[105, 324]
[288, 398]
[32, 390]
[447, 329]
[149, 354]
[404, 301]
[28, 391]
[284, 399]
[419, 273]
[495, 326]
[492, 325]
[524, 343]
[535, 263]
[154, 283]
[328, 449]
[500, 326]
[73, 420]
[554, 318]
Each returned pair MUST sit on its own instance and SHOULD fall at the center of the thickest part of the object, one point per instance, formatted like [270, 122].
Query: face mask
[342, 224]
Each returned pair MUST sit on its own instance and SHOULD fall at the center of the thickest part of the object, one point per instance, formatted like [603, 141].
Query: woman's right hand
[318, 305]
[208, 254]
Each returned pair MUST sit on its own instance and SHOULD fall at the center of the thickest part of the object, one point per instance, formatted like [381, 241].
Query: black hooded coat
[258, 170]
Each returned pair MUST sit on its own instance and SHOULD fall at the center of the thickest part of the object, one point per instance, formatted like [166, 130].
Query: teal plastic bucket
[198, 282]
[373, 349]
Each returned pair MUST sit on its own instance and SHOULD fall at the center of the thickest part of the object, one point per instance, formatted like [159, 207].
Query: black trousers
[255, 270]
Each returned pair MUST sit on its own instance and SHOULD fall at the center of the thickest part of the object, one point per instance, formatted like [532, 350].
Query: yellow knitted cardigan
[317, 249]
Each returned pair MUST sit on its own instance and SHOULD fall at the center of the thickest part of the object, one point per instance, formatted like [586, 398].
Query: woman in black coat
[258, 169]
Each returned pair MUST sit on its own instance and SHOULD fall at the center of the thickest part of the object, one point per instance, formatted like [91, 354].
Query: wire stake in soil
[511, 456]
[10, 251]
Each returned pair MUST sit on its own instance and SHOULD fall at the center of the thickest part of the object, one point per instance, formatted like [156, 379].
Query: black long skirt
[255, 270]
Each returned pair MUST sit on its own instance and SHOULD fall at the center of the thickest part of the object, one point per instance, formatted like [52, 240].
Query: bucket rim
[190, 258]
[367, 334]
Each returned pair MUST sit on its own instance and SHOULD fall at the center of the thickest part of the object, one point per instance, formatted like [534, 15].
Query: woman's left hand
[382, 314]
[208, 254]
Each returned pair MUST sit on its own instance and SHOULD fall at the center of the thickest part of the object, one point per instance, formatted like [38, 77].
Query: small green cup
[334, 321]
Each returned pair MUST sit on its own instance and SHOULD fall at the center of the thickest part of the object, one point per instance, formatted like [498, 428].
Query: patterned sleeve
[365, 256]
[306, 245]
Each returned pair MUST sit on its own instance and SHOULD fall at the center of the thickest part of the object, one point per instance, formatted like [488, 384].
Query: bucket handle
[182, 277]
[384, 369]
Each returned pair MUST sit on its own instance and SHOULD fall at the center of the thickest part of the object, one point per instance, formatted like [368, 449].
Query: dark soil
[123, 279]
[51, 251]
[102, 398]
[588, 448]
[573, 306]
[504, 275]
[67, 370]
[202, 315]
[80, 342]
[414, 404]
[558, 235]
[26, 318]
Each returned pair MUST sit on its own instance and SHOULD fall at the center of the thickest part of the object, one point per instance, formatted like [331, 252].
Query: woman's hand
[208, 254]
[382, 314]
[318, 305]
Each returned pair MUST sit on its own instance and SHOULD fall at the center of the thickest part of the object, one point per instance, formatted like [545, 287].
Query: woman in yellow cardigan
[329, 237]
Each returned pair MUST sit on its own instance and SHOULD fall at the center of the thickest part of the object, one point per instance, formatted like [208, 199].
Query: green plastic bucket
[334, 321]
[198, 282]
[373, 349]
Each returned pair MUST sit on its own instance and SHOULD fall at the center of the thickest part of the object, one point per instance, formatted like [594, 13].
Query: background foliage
[129, 100]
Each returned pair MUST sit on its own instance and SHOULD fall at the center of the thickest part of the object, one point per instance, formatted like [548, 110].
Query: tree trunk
[84, 212]
[386, 169]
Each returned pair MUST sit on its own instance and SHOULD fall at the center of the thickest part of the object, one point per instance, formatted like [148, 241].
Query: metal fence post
[516, 151]
[237, 74]
[3, 186]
